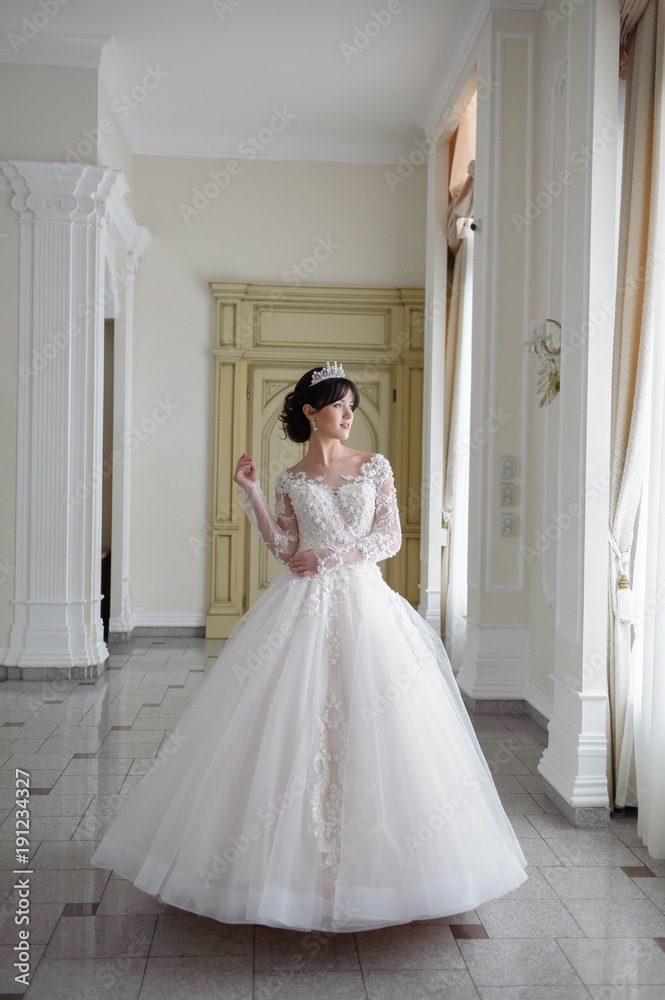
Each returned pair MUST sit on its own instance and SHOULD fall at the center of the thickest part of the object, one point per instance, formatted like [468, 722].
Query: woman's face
[335, 419]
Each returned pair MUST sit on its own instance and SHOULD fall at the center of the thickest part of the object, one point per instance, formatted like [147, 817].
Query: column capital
[73, 192]
[52, 192]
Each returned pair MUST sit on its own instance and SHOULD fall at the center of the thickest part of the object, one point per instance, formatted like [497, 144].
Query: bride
[325, 774]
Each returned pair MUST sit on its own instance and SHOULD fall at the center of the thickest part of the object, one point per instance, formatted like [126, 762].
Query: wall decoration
[545, 344]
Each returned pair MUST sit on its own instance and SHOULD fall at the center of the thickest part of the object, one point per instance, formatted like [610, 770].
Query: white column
[64, 212]
[574, 763]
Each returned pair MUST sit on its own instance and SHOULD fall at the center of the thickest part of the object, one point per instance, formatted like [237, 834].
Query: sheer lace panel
[280, 533]
[333, 480]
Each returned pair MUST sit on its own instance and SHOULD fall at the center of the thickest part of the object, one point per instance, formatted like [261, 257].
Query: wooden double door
[267, 337]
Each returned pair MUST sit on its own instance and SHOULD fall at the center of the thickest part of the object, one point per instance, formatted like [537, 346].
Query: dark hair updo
[296, 425]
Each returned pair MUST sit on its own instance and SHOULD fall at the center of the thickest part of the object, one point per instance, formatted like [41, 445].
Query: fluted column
[63, 218]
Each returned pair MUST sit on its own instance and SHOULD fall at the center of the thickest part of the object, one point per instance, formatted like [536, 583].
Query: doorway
[107, 475]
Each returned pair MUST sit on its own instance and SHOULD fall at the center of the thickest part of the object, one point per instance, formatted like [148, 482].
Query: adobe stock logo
[31, 26]
[363, 35]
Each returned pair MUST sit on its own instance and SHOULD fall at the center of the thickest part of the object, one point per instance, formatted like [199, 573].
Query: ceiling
[353, 81]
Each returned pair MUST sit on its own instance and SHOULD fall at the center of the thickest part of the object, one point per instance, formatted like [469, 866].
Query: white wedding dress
[326, 774]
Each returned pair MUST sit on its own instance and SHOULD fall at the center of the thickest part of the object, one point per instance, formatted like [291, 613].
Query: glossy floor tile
[590, 918]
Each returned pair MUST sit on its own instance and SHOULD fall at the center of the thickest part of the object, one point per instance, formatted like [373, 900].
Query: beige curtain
[633, 354]
[458, 430]
[462, 168]
[631, 12]
[457, 385]
[460, 211]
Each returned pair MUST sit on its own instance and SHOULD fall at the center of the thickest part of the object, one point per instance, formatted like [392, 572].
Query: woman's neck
[326, 453]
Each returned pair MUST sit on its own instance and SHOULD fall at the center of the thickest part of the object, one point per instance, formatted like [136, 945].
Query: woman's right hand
[246, 474]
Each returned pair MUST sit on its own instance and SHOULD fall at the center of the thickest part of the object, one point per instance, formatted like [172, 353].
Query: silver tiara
[330, 371]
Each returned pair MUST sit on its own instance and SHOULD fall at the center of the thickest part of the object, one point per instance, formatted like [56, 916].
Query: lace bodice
[350, 521]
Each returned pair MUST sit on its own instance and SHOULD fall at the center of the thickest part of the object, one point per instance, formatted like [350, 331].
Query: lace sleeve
[385, 538]
[280, 533]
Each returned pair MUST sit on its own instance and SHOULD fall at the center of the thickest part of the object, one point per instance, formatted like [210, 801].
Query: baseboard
[540, 705]
[145, 631]
[495, 673]
[494, 706]
[495, 662]
[44, 669]
[533, 713]
[169, 621]
[505, 706]
[74, 673]
[161, 625]
[585, 817]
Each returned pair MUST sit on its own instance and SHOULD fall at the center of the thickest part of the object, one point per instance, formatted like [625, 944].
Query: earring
[314, 425]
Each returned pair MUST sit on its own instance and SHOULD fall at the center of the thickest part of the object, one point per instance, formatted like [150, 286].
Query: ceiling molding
[516, 4]
[437, 110]
[340, 151]
[87, 52]
[50, 49]
[354, 109]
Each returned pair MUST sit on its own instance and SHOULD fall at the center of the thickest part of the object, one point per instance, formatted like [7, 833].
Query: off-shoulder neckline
[344, 475]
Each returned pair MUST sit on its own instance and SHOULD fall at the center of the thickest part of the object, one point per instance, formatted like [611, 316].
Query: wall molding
[434, 114]
[496, 667]
[492, 508]
[559, 82]
[495, 662]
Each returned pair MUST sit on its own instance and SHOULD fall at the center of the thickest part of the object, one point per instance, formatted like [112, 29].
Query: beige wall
[44, 109]
[54, 113]
[269, 217]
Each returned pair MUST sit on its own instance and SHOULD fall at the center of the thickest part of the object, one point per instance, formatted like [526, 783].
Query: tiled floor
[589, 922]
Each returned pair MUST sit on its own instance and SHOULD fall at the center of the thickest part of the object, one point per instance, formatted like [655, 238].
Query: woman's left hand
[304, 563]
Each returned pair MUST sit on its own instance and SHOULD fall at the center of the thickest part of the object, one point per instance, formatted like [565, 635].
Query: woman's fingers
[244, 466]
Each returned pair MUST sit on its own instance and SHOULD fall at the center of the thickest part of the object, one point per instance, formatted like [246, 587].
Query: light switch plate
[507, 494]
[508, 467]
[508, 524]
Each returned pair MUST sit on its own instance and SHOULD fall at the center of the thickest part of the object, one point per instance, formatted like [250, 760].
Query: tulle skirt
[324, 776]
